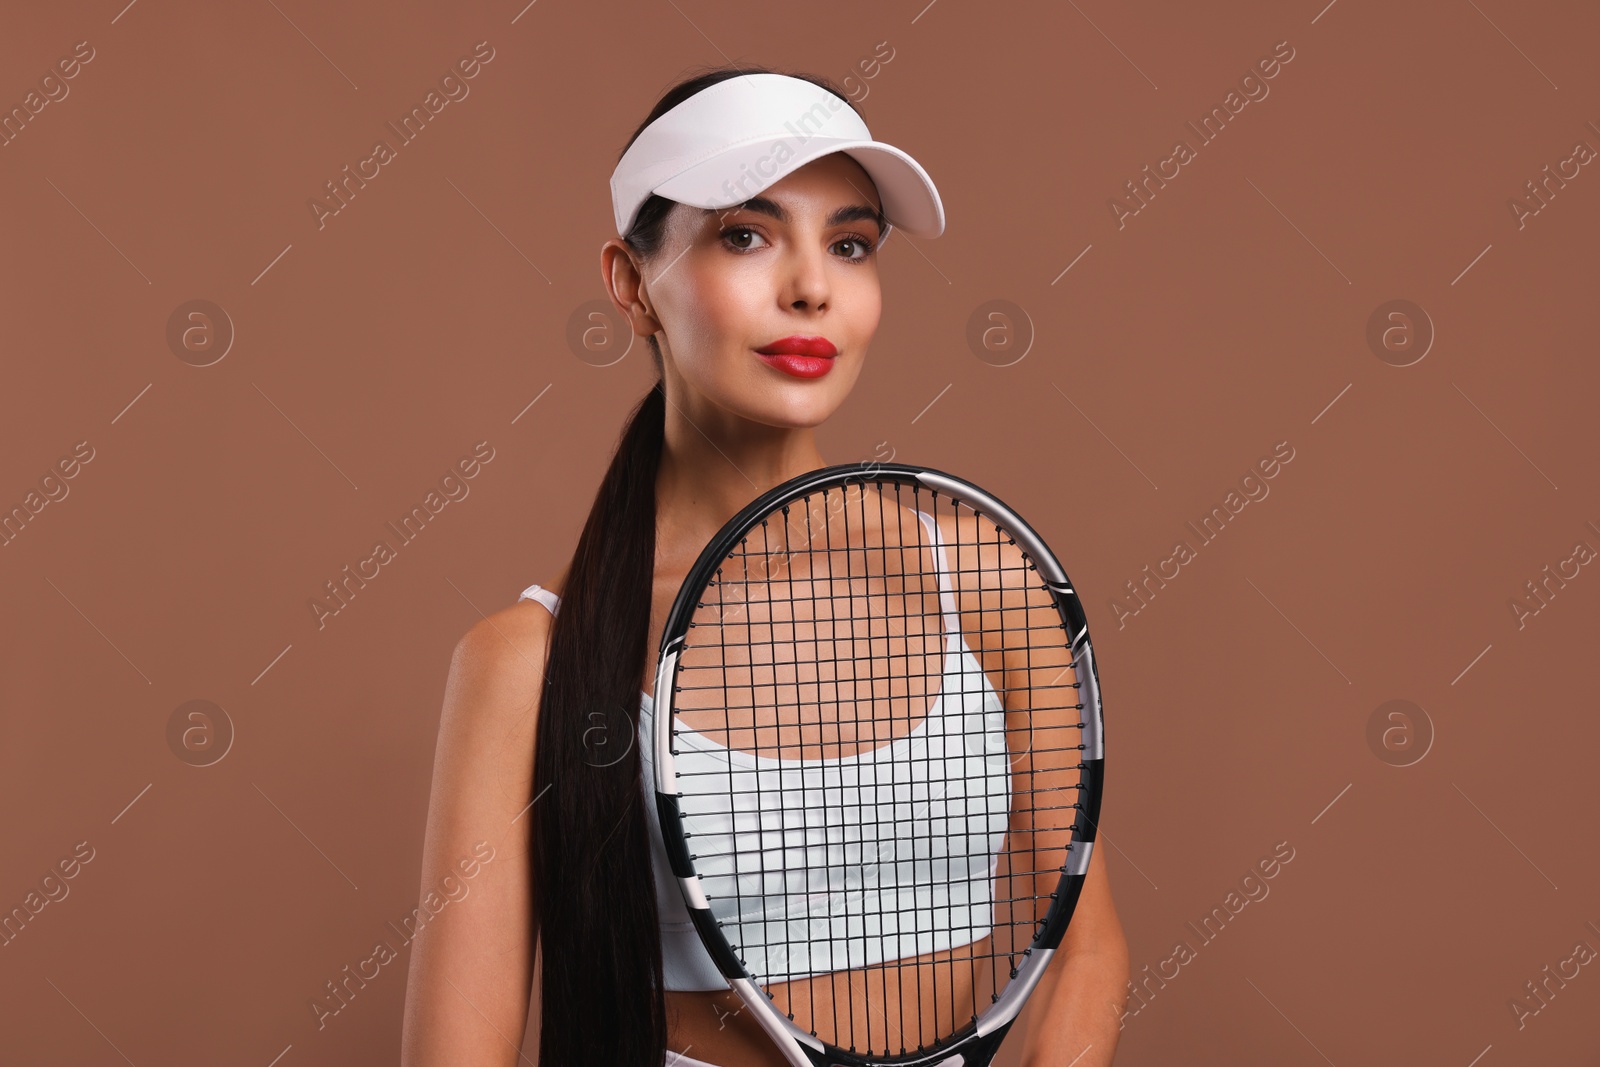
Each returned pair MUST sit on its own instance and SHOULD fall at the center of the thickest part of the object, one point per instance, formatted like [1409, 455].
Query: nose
[806, 282]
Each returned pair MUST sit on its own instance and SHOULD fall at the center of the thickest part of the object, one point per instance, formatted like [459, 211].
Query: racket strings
[806, 874]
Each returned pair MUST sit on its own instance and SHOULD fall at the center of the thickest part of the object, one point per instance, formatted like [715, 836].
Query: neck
[714, 463]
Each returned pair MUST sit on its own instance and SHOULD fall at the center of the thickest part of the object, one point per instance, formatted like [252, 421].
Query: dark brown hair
[602, 998]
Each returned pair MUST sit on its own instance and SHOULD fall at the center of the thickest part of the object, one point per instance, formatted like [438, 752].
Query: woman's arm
[1075, 1014]
[472, 973]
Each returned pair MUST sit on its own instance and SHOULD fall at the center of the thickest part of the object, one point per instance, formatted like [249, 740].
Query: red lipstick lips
[800, 356]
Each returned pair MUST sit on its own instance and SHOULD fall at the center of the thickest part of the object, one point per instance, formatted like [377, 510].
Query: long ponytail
[591, 874]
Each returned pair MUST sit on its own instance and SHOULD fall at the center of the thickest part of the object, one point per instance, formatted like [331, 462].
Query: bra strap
[947, 599]
[543, 596]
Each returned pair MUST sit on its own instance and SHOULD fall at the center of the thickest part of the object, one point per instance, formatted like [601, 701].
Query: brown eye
[729, 235]
[865, 246]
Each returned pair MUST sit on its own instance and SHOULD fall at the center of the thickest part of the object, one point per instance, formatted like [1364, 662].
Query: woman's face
[797, 261]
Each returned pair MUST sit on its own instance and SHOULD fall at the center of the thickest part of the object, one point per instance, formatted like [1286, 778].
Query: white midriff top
[904, 864]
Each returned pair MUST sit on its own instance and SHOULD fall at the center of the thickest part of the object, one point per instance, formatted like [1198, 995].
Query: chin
[802, 414]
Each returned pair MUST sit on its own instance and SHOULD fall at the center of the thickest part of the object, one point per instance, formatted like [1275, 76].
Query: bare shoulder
[976, 553]
[517, 632]
[491, 707]
[994, 581]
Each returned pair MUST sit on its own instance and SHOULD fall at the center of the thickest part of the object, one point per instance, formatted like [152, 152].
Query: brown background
[1229, 314]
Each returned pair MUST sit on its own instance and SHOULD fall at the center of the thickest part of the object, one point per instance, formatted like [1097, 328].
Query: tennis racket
[878, 777]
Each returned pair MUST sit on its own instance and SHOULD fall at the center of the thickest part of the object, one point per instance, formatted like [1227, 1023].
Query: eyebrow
[849, 213]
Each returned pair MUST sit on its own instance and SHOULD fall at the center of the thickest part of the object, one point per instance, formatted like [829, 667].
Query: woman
[741, 262]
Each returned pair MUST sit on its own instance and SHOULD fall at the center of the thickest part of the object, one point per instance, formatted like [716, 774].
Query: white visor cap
[733, 139]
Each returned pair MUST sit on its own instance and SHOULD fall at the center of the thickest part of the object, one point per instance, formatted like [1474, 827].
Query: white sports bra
[925, 816]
